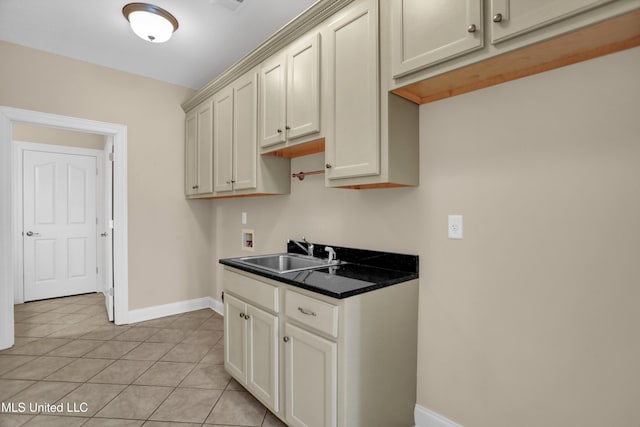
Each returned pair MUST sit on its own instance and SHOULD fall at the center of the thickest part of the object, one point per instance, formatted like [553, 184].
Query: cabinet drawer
[251, 290]
[312, 312]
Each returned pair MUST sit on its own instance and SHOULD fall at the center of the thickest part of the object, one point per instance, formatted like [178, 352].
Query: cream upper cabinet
[273, 80]
[311, 373]
[353, 148]
[235, 135]
[198, 150]
[223, 140]
[239, 169]
[245, 122]
[290, 93]
[424, 33]
[191, 154]
[511, 18]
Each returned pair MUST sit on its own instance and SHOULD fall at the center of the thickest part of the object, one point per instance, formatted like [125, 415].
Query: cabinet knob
[242, 315]
[246, 317]
[287, 127]
[328, 166]
[195, 187]
[279, 130]
[497, 17]
[285, 339]
[471, 28]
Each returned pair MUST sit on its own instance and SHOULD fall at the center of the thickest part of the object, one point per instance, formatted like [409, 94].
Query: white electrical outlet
[455, 227]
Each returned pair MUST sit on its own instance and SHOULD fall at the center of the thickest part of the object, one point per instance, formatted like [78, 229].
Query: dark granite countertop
[363, 271]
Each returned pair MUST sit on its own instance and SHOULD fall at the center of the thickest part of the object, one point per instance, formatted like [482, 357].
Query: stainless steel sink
[286, 263]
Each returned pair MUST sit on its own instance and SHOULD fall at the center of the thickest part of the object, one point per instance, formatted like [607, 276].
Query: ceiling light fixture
[150, 22]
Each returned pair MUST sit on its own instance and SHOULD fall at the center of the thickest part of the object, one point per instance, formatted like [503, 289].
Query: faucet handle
[332, 253]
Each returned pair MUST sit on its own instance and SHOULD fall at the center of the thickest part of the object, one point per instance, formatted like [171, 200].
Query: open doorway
[11, 239]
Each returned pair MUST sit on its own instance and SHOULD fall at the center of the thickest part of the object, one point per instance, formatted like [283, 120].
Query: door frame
[19, 147]
[8, 218]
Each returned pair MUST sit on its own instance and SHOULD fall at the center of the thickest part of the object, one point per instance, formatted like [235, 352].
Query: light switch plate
[455, 227]
[244, 218]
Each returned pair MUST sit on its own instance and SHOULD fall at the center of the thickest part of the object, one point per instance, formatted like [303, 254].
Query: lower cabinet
[251, 349]
[310, 378]
[334, 362]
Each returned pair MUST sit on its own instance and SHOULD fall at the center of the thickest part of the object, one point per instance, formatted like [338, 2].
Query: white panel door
[59, 225]
[107, 234]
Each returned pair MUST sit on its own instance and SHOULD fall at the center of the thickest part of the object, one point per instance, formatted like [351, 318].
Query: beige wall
[532, 319]
[46, 135]
[170, 239]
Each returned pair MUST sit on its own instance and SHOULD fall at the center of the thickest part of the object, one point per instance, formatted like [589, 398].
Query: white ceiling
[211, 37]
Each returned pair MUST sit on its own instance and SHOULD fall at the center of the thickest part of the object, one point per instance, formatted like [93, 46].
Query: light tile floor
[163, 372]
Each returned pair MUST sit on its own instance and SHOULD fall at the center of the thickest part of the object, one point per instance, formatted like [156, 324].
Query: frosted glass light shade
[150, 22]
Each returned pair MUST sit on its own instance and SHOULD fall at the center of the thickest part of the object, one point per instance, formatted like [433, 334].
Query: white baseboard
[217, 306]
[157, 311]
[427, 418]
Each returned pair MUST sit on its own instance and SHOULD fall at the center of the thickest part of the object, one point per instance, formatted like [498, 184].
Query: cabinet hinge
[96, 270]
[112, 157]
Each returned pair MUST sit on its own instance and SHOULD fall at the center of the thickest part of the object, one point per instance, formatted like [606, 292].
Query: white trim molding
[427, 418]
[8, 261]
[158, 311]
[306, 21]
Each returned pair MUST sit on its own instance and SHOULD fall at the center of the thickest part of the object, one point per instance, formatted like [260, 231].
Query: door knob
[31, 233]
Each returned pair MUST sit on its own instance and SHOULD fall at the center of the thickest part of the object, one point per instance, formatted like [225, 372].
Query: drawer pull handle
[285, 339]
[307, 312]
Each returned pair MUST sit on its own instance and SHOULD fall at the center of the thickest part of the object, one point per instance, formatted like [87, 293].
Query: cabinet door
[223, 140]
[303, 87]
[191, 154]
[272, 101]
[424, 33]
[235, 338]
[511, 18]
[262, 356]
[353, 148]
[310, 379]
[205, 149]
[245, 144]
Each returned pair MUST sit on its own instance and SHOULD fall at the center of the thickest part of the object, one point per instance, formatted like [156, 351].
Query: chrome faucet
[309, 246]
[308, 249]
